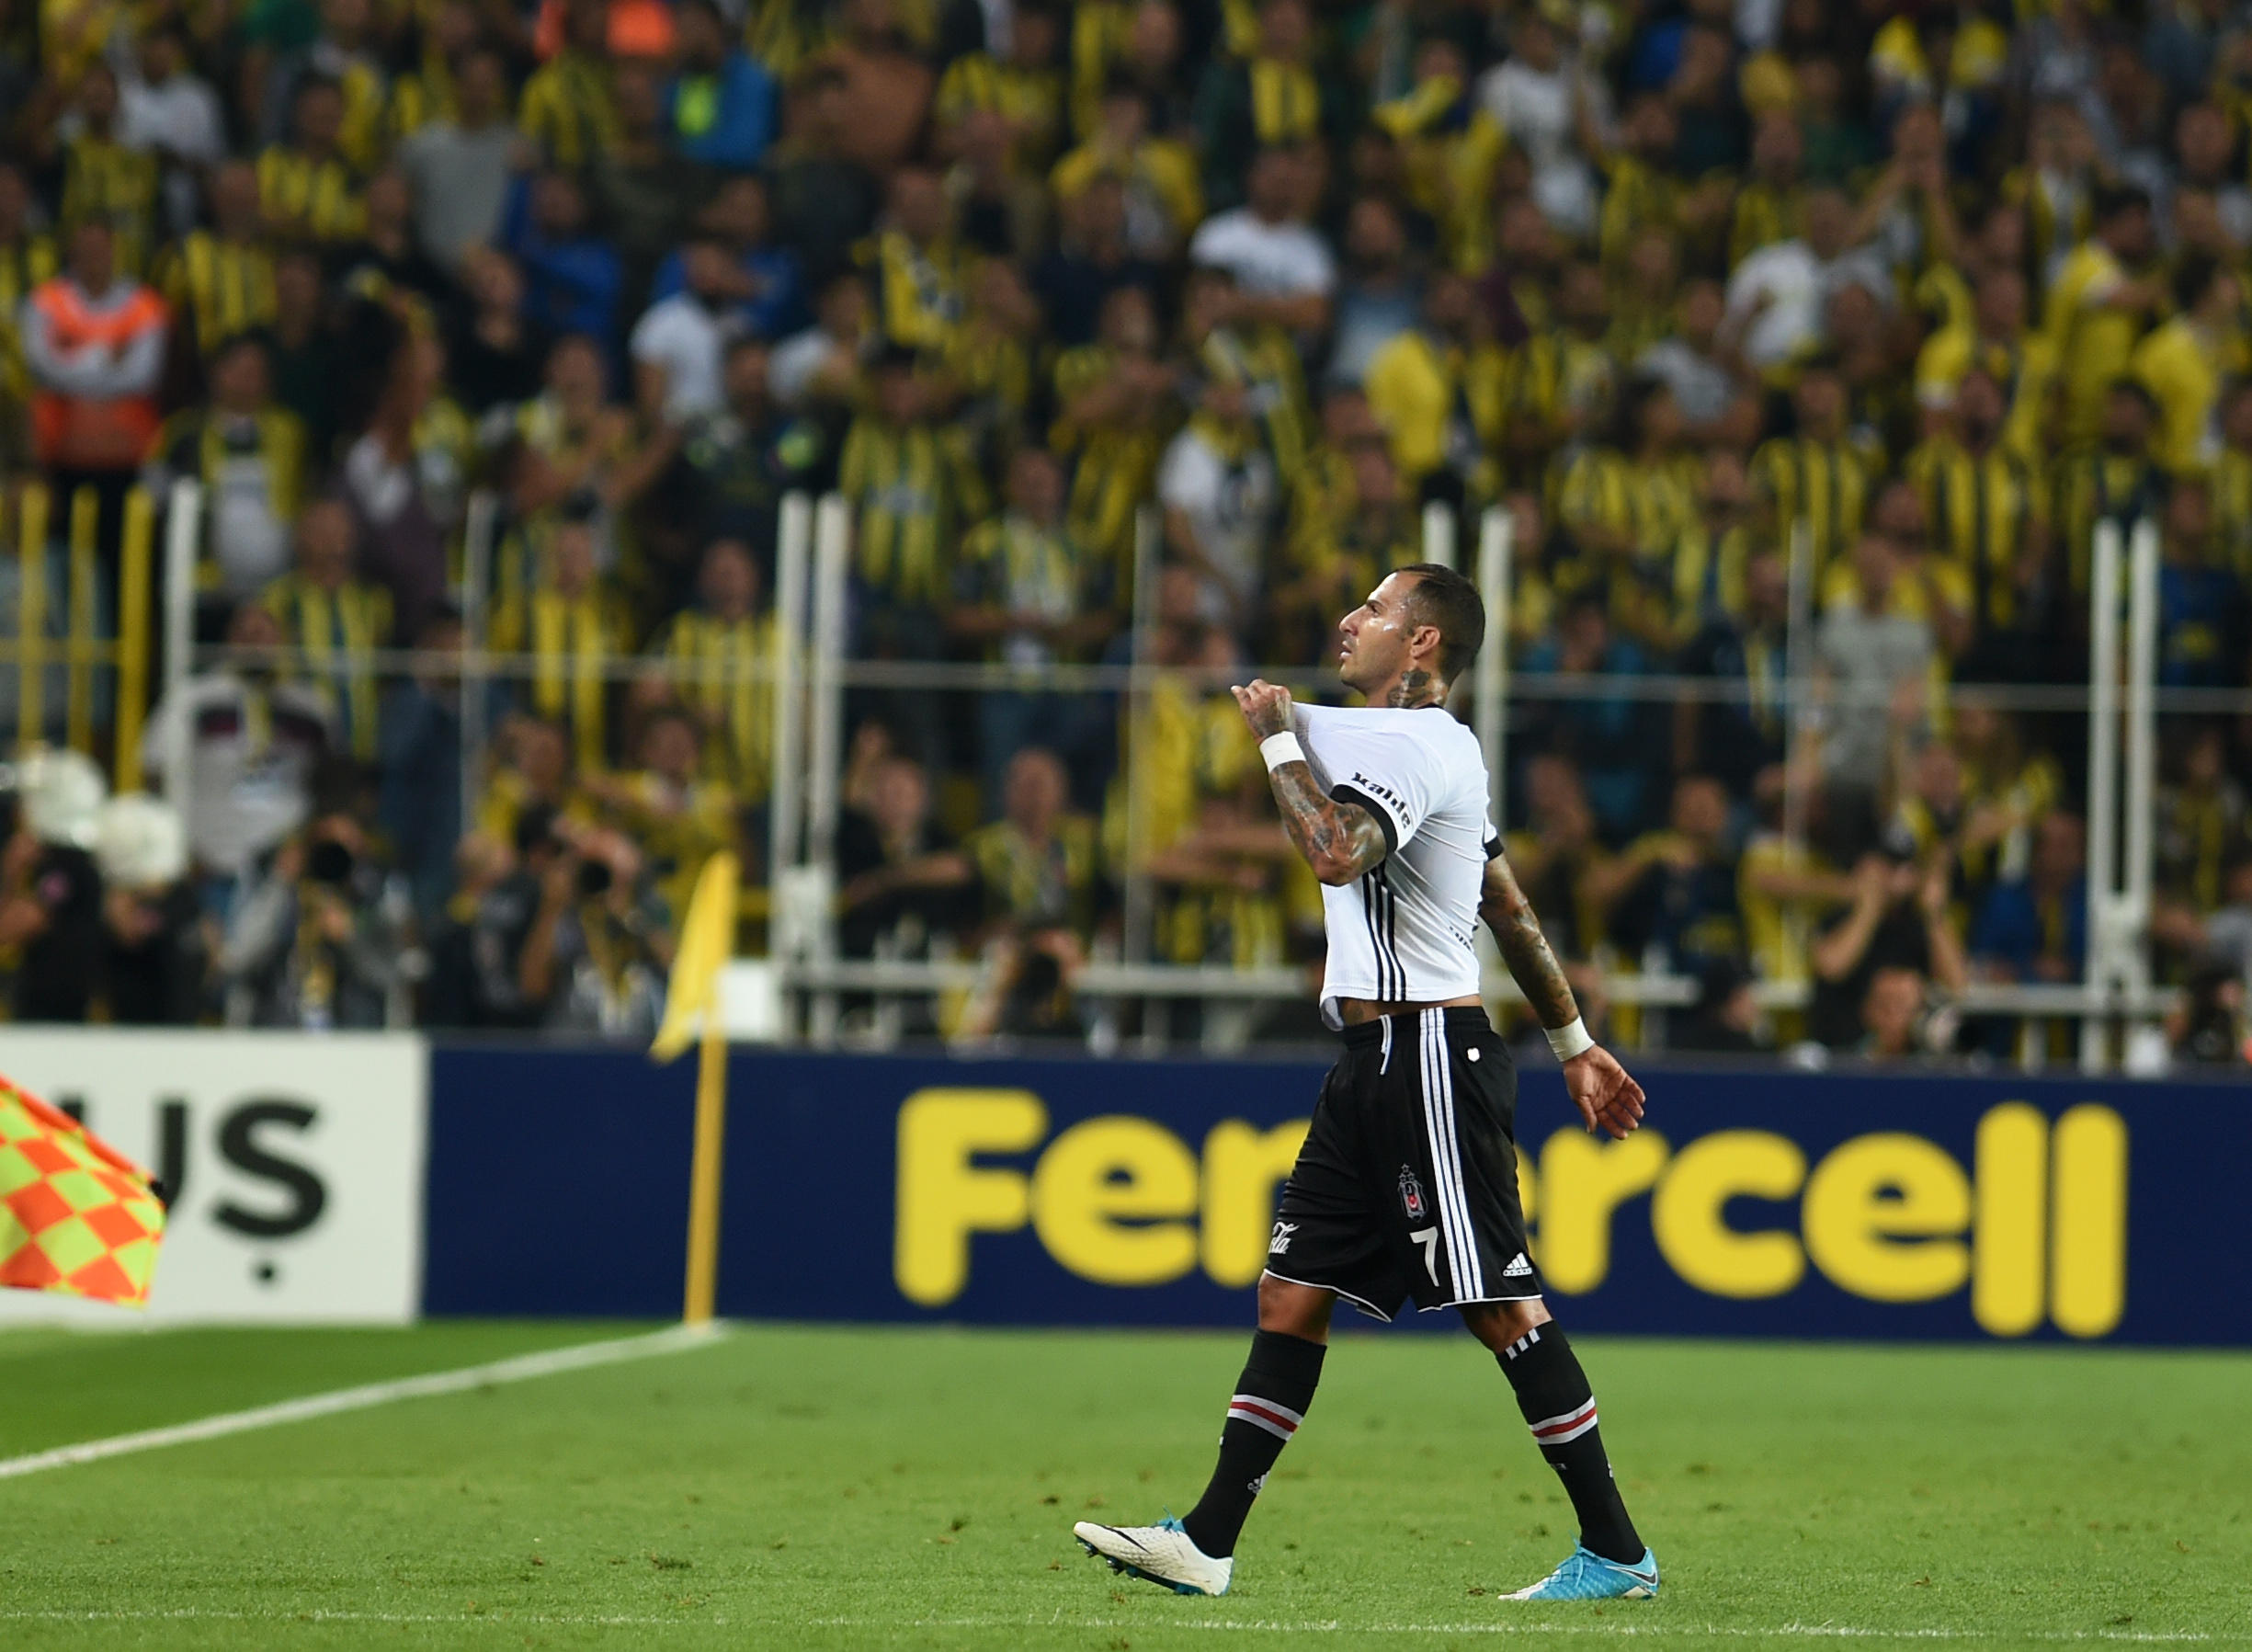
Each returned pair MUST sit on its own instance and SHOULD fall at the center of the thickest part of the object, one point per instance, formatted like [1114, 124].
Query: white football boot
[1162, 1554]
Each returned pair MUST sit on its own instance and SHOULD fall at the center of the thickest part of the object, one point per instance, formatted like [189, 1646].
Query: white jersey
[1405, 931]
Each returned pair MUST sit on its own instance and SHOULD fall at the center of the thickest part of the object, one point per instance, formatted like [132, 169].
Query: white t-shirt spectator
[251, 751]
[1538, 113]
[684, 340]
[1780, 294]
[180, 117]
[1229, 505]
[1268, 260]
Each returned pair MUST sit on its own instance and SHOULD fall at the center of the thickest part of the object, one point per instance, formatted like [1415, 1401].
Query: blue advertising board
[1075, 1192]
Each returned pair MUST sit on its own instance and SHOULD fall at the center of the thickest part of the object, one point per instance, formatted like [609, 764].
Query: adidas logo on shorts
[1519, 1268]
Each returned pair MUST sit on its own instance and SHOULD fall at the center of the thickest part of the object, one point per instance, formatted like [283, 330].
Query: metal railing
[809, 675]
[2118, 994]
[64, 638]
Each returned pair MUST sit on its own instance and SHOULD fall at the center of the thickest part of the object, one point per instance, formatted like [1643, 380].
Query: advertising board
[293, 1164]
[1098, 1192]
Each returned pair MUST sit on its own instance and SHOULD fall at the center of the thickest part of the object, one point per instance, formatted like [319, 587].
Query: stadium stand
[499, 334]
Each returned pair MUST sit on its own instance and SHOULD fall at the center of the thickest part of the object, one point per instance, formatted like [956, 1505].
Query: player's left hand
[1606, 1094]
[1265, 707]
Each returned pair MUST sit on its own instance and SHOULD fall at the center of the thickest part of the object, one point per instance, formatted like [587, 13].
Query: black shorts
[1406, 1185]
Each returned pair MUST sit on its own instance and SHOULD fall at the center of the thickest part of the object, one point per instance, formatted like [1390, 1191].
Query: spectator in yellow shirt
[2182, 364]
[2100, 304]
[568, 109]
[1439, 389]
[306, 187]
[335, 621]
[1164, 198]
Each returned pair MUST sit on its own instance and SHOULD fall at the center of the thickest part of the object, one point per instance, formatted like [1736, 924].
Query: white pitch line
[523, 1368]
[503, 1616]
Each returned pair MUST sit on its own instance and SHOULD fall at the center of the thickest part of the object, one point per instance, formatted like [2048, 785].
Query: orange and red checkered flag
[75, 1216]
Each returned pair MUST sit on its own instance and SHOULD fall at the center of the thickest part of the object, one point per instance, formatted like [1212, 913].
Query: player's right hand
[1265, 707]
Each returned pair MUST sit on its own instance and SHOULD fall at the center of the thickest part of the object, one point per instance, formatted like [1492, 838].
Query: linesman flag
[75, 1216]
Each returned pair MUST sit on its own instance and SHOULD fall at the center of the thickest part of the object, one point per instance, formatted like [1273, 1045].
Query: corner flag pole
[707, 938]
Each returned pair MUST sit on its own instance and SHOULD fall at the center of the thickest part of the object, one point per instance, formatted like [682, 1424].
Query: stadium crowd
[1944, 283]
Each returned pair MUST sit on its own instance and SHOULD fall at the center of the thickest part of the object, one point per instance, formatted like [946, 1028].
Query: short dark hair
[2193, 275]
[1444, 598]
[2116, 200]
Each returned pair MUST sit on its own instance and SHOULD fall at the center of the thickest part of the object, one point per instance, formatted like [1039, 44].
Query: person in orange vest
[94, 342]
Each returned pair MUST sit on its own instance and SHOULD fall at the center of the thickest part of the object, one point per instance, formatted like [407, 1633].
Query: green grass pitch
[802, 1487]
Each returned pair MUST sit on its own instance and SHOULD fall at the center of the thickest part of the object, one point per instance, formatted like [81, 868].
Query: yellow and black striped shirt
[1030, 99]
[911, 485]
[919, 289]
[1827, 484]
[2087, 485]
[221, 287]
[1708, 578]
[1286, 102]
[421, 98]
[722, 669]
[572, 640]
[107, 183]
[568, 110]
[337, 631]
[1100, 30]
[785, 35]
[1630, 517]
[1639, 197]
[318, 198]
[2231, 482]
[1983, 510]
[1113, 466]
[23, 264]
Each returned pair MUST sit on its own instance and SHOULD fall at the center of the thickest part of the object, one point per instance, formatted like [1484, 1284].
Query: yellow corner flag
[706, 940]
[75, 1216]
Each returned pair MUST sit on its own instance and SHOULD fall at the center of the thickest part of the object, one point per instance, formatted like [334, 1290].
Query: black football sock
[1270, 1401]
[1552, 1393]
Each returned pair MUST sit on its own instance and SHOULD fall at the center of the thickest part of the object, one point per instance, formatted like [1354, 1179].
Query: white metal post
[183, 528]
[2102, 786]
[793, 556]
[2141, 764]
[1497, 533]
[476, 566]
[825, 756]
[2135, 875]
[1439, 533]
[1139, 902]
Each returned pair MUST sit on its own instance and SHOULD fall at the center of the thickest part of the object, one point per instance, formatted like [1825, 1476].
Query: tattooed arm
[1606, 1094]
[1517, 930]
[1340, 838]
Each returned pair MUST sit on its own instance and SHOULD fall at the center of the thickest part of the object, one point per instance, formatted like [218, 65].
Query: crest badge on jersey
[1411, 1194]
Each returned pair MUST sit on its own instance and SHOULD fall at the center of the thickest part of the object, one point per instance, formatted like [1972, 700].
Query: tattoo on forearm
[1532, 963]
[1413, 689]
[1340, 836]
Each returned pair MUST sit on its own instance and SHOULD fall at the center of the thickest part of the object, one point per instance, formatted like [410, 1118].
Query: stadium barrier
[366, 1178]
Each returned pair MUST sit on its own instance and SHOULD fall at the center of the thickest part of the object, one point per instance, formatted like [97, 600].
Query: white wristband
[1278, 749]
[1570, 1040]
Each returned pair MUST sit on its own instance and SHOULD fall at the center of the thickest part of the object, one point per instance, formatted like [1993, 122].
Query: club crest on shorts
[1281, 1241]
[1411, 1194]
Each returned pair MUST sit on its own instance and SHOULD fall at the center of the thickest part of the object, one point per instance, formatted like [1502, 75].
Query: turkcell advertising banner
[1087, 1192]
[293, 1165]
